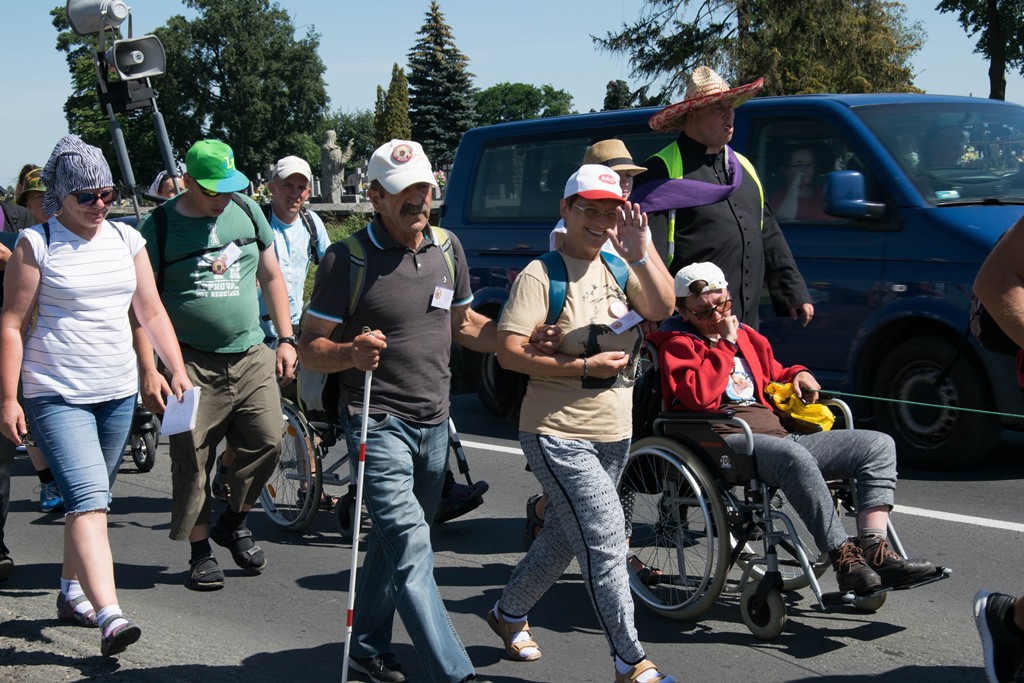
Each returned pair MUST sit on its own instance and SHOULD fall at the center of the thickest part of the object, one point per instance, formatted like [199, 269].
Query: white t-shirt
[80, 347]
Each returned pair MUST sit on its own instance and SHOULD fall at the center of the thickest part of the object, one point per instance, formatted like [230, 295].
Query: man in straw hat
[706, 203]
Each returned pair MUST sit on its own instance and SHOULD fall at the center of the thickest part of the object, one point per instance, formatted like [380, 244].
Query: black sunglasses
[706, 314]
[90, 198]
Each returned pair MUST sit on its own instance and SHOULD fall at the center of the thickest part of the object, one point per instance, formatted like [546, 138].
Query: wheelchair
[293, 495]
[699, 512]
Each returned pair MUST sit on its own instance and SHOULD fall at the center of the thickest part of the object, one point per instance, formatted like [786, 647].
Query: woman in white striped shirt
[79, 375]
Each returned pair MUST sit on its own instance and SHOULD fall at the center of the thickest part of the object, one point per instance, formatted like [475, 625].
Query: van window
[793, 157]
[524, 179]
[954, 153]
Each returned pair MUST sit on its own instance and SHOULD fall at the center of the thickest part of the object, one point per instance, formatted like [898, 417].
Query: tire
[344, 516]
[793, 576]
[934, 438]
[500, 391]
[872, 603]
[291, 497]
[144, 450]
[677, 513]
[768, 623]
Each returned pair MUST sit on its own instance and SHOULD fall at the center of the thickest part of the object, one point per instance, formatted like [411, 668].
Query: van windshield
[955, 153]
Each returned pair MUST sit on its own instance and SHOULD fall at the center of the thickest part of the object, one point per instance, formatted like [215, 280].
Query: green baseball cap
[211, 163]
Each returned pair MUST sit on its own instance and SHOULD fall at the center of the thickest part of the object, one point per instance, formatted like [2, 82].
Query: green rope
[925, 405]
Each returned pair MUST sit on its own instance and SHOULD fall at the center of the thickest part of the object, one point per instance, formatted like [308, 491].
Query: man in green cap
[210, 247]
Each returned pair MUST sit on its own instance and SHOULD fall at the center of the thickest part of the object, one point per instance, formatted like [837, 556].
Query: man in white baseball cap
[416, 302]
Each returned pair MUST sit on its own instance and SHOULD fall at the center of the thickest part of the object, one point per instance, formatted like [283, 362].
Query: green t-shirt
[210, 311]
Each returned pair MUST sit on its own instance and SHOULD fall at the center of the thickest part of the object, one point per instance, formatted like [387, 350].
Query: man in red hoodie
[709, 362]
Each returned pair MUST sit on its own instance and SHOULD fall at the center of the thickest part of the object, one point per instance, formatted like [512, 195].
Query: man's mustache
[414, 209]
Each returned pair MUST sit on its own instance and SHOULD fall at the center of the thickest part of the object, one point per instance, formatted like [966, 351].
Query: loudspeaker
[137, 58]
[92, 16]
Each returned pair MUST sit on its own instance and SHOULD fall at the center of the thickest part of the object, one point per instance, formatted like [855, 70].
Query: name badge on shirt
[227, 256]
[625, 322]
[442, 297]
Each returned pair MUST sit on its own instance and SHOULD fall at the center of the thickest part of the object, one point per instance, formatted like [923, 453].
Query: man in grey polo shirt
[415, 312]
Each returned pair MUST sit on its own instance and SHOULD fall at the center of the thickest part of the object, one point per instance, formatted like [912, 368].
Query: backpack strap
[356, 271]
[160, 222]
[307, 222]
[444, 241]
[557, 277]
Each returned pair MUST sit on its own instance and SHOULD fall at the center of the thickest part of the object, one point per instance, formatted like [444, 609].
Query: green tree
[999, 25]
[378, 118]
[88, 120]
[617, 96]
[797, 45]
[440, 89]
[238, 73]
[556, 102]
[520, 101]
[395, 122]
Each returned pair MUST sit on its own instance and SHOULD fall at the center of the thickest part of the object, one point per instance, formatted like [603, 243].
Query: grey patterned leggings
[583, 519]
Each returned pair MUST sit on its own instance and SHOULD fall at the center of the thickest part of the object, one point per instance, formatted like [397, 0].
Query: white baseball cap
[594, 181]
[700, 272]
[398, 164]
[289, 166]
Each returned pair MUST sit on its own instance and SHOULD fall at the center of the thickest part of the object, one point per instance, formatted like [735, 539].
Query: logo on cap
[401, 154]
[607, 179]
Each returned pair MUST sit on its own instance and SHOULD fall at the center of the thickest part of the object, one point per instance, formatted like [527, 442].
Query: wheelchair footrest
[839, 599]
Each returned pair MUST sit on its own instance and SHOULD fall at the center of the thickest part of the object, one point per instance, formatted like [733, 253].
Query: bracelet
[640, 262]
[586, 370]
[287, 340]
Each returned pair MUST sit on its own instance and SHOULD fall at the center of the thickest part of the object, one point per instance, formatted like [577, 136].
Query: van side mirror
[845, 197]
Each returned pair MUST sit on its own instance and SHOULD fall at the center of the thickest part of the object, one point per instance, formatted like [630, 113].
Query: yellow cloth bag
[804, 417]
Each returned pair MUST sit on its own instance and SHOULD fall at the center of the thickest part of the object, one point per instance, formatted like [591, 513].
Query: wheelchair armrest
[841, 406]
[726, 417]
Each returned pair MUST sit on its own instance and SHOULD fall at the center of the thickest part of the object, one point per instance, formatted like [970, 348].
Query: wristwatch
[287, 340]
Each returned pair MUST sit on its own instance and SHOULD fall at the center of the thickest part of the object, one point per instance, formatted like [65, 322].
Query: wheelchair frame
[697, 527]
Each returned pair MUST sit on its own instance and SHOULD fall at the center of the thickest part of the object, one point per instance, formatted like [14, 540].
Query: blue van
[910, 192]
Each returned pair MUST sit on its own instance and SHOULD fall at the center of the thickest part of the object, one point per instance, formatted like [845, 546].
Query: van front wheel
[927, 437]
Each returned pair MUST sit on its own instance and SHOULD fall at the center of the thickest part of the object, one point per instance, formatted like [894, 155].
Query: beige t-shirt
[571, 407]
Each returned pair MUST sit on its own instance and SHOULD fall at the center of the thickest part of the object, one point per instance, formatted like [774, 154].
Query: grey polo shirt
[413, 377]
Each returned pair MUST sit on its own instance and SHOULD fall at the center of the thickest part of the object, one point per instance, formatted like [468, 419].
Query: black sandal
[244, 550]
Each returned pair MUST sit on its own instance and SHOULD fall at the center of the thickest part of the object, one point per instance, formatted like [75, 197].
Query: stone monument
[332, 168]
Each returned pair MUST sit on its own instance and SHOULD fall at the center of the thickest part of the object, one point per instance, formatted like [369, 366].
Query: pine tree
[441, 93]
[378, 119]
[395, 122]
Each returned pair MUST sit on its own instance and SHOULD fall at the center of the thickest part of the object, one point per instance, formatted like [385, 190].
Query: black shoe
[459, 500]
[381, 669]
[244, 550]
[890, 567]
[206, 574]
[6, 565]
[852, 572]
[1001, 640]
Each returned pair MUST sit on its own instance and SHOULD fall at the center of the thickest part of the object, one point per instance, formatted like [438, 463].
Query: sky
[529, 41]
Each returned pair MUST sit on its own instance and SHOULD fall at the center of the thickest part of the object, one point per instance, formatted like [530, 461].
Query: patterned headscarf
[73, 165]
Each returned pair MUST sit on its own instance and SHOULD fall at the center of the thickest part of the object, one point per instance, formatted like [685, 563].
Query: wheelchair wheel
[345, 515]
[143, 447]
[677, 514]
[793, 576]
[769, 621]
[291, 497]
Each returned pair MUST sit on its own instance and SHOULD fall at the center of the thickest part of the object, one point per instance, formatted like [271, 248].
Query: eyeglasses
[90, 198]
[209, 193]
[706, 314]
[593, 214]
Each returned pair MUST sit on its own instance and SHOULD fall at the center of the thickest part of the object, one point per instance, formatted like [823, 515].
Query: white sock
[522, 635]
[73, 589]
[111, 611]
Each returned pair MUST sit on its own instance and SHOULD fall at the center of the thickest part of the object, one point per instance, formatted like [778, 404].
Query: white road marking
[899, 509]
[963, 519]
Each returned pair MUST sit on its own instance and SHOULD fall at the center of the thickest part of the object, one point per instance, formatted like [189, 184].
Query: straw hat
[614, 155]
[705, 88]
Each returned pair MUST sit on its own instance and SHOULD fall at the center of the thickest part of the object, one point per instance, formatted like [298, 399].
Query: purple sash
[680, 193]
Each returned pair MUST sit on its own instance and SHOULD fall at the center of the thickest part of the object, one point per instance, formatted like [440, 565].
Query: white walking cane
[357, 518]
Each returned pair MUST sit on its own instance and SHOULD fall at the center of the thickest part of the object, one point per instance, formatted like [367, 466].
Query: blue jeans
[404, 473]
[83, 444]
